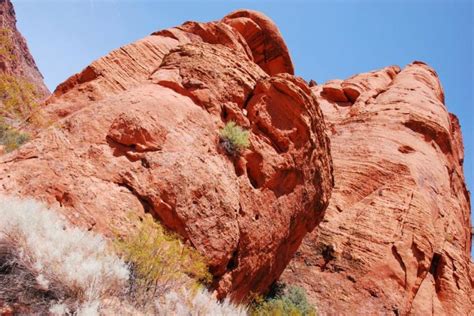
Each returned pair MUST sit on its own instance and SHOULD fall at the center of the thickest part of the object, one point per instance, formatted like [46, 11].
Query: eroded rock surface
[395, 239]
[138, 131]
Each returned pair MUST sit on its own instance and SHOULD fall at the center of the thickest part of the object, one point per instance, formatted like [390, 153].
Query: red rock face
[138, 131]
[396, 236]
[15, 58]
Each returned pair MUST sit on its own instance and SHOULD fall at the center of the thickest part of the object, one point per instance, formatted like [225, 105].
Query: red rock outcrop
[15, 58]
[396, 236]
[138, 130]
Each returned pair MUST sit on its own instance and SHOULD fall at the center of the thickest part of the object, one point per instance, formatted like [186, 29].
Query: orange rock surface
[138, 131]
[396, 236]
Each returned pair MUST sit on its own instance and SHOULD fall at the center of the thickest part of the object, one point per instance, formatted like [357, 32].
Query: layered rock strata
[396, 236]
[138, 131]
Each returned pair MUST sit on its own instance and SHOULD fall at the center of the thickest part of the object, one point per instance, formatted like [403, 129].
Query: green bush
[234, 139]
[17, 106]
[159, 261]
[6, 45]
[11, 138]
[286, 301]
[17, 97]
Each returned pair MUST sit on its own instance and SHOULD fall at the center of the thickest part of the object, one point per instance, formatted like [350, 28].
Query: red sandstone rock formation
[15, 58]
[396, 236]
[138, 130]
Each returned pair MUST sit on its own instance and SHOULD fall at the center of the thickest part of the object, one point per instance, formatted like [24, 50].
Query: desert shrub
[48, 267]
[6, 44]
[18, 98]
[160, 262]
[44, 262]
[177, 302]
[234, 139]
[11, 138]
[185, 302]
[284, 301]
[18, 106]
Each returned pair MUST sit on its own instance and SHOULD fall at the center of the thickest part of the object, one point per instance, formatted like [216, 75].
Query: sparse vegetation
[17, 106]
[159, 262]
[6, 44]
[18, 98]
[48, 267]
[187, 302]
[284, 301]
[45, 262]
[11, 138]
[234, 139]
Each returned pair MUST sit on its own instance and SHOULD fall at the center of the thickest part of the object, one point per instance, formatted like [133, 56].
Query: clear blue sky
[327, 39]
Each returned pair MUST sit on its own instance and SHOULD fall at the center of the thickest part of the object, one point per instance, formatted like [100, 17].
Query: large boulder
[138, 131]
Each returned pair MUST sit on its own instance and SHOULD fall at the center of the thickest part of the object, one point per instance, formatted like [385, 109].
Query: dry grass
[45, 261]
[50, 267]
[185, 302]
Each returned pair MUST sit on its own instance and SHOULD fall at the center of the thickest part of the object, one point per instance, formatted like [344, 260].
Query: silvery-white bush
[186, 302]
[49, 259]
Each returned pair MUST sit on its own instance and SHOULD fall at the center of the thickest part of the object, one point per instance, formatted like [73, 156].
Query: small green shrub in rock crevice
[234, 139]
[283, 301]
